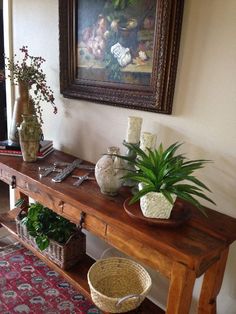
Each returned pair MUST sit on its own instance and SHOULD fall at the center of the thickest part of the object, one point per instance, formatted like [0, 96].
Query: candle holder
[128, 165]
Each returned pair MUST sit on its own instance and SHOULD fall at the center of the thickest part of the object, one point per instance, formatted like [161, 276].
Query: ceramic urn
[109, 172]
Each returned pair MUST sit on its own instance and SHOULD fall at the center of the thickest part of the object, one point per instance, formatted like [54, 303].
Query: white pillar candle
[148, 140]
[133, 130]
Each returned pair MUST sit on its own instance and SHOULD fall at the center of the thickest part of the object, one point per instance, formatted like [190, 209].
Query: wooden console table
[198, 247]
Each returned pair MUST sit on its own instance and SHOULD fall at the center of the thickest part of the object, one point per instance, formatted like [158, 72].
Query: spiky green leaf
[168, 196]
[141, 193]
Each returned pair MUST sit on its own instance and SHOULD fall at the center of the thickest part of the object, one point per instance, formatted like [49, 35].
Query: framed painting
[120, 52]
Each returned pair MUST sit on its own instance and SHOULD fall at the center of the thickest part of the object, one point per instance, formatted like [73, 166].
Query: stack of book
[13, 149]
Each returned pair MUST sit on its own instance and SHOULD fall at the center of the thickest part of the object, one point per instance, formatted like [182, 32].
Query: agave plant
[164, 171]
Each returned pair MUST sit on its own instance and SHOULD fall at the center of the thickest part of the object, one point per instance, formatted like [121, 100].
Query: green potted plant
[162, 175]
[43, 224]
[28, 74]
[57, 238]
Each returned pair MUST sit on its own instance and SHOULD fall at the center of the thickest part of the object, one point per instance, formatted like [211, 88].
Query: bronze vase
[23, 105]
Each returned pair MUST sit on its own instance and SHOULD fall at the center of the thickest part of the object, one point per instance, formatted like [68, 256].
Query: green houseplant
[58, 239]
[165, 172]
[43, 224]
[27, 72]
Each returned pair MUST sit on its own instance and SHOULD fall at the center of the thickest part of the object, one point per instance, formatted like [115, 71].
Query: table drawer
[15, 180]
[91, 223]
[6, 176]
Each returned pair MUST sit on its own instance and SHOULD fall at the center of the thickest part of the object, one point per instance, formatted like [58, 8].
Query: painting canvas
[115, 41]
[120, 52]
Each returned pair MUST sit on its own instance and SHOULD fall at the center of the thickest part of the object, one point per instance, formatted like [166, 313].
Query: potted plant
[57, 238]
[28, 74]
[162, 176]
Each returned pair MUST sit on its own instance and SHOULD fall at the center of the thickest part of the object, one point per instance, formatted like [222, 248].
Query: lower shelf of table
[77, 275]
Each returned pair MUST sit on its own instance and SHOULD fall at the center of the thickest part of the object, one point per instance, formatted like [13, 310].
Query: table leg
[181, 288]
[19, 194]
[211, 285]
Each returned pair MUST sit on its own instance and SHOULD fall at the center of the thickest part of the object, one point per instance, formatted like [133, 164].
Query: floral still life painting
[120, 52]
[115, 41]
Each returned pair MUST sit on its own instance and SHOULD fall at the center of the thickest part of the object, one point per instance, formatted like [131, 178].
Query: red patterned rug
[27, 285]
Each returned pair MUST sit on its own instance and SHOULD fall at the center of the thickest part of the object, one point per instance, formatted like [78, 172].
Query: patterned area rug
[27, 285]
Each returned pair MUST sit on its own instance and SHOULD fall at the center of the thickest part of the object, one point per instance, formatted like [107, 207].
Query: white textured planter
[155, 205]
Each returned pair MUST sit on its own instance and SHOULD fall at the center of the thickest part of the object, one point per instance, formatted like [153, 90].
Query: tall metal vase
[23, 105]
[30, 134]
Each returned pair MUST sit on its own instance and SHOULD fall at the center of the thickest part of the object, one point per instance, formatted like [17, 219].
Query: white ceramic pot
[109, 173]
[155, 205]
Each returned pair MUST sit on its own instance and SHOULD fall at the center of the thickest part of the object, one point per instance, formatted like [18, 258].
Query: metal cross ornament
[67, 171]
[81, 179]
[63, 173]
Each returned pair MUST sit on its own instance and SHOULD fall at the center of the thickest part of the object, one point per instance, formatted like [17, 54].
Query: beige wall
[204, 114]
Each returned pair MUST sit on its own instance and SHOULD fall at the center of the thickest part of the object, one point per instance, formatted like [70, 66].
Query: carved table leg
[181, 288]
[211, 285]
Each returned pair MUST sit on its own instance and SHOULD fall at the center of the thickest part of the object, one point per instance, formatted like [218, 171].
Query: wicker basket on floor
[64, 255]
[118, 285]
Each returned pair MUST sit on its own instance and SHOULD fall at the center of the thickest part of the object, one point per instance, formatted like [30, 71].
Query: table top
[194, 243]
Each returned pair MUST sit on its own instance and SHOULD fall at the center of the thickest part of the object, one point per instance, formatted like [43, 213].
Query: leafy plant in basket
[43, 224]
[167, 173]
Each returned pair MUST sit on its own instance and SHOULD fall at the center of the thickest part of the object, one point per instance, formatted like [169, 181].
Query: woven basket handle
[130, 296]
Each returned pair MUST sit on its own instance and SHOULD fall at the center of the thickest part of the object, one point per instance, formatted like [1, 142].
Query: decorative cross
[81, 179]
[63, 173]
